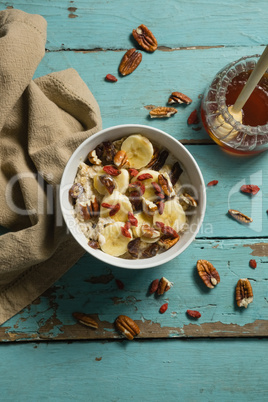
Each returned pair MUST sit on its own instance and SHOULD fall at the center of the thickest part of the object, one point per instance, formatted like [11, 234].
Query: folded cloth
[42, 122]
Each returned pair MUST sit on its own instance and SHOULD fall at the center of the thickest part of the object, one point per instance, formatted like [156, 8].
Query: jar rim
[221, 98]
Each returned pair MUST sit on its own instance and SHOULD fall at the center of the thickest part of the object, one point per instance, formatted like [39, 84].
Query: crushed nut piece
[178, 97]
[164, 286]
[85, 320]
[238, 216]
[162, 112]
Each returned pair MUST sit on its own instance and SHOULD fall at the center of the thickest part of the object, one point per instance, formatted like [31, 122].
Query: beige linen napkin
[42, 122]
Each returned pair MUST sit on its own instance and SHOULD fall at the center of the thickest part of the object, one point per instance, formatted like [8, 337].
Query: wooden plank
[90, 287]
[203, 370]
[159, 74]
[108, 25]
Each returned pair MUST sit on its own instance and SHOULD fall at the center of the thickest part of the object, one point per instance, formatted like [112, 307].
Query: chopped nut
[241, 218]
[85, 320]
[178, 97]
[149, 208]
[162, 112]
[164, 184]
[243, 293]
[164, 286]
[149, 234]
[108, 182]
[76, 190]
[127, 326]
[150, 251]
[187, 201]
[167, 242]
[120, 159]
[145, 38]
[134, 247]
[93, 158]
[208, 273]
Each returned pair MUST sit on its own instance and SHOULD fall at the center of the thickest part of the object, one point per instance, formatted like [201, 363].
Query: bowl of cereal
[133, 196]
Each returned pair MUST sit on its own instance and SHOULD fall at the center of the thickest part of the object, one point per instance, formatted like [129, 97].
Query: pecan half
[108, 182]
[187, 201]
[154, 286]
[162, 112]
[145, 38]
[76, 190]
[130, 62]
[93, 207]
[208, 273]
[178, 97]
[175, 173]
[134, 247]
[150, 251]
[167, 242]
[164, 184]
[109, 151]
[93, 158]
[158, 160]
[120, 159]
[238, 216]
[163, 286]
[147, 232]
[243, 293]
[85, 320]
[127, 326]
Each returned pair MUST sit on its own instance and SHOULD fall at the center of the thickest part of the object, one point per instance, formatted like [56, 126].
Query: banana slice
[113, 199]
[139, 150]
[173, 215]
[115, 243]
[143, 219]
[121, 182]
[149, 190]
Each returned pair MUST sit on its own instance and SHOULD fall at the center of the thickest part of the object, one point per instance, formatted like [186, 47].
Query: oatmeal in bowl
[135, 198]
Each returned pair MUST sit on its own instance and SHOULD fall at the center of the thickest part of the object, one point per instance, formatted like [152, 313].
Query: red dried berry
[161, 207]
[193, 118]
[125, 232]
[132, 219]
[253, 264]
[250, 189]
[193, 313]
[133, 172]
[163, 308]
[120, 284]
[156, 187]
[167, 230]
[114, 208]
[110, 78]
[144, 176]
[212, 183]
[111, 170]
[154, 286]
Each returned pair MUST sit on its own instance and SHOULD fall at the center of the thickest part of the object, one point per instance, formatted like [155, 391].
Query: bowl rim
[121, 262]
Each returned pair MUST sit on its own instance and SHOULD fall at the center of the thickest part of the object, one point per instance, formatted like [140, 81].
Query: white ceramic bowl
[179, 152]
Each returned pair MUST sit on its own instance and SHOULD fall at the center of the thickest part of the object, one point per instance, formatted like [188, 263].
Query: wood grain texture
[90, 287]
[158, 75]
[203, 370]
[84, 24]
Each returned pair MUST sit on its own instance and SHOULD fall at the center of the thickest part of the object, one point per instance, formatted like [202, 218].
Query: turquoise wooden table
[45, 353]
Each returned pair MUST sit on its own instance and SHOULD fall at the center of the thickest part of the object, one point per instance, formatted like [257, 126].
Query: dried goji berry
[193, 313]
[250, 188]
[212, 183]
[154, 286]
[114, 208]
[133, 172]
[193, 118]
[120, 284]
[127, 225]
[138, 186]
[111, 78]
[125, 232]
[163, 308]
[111, 170]
[253, 264]
[144, 176]
[160, 206]
[168, 230]
[132, 219]
[156, 187]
